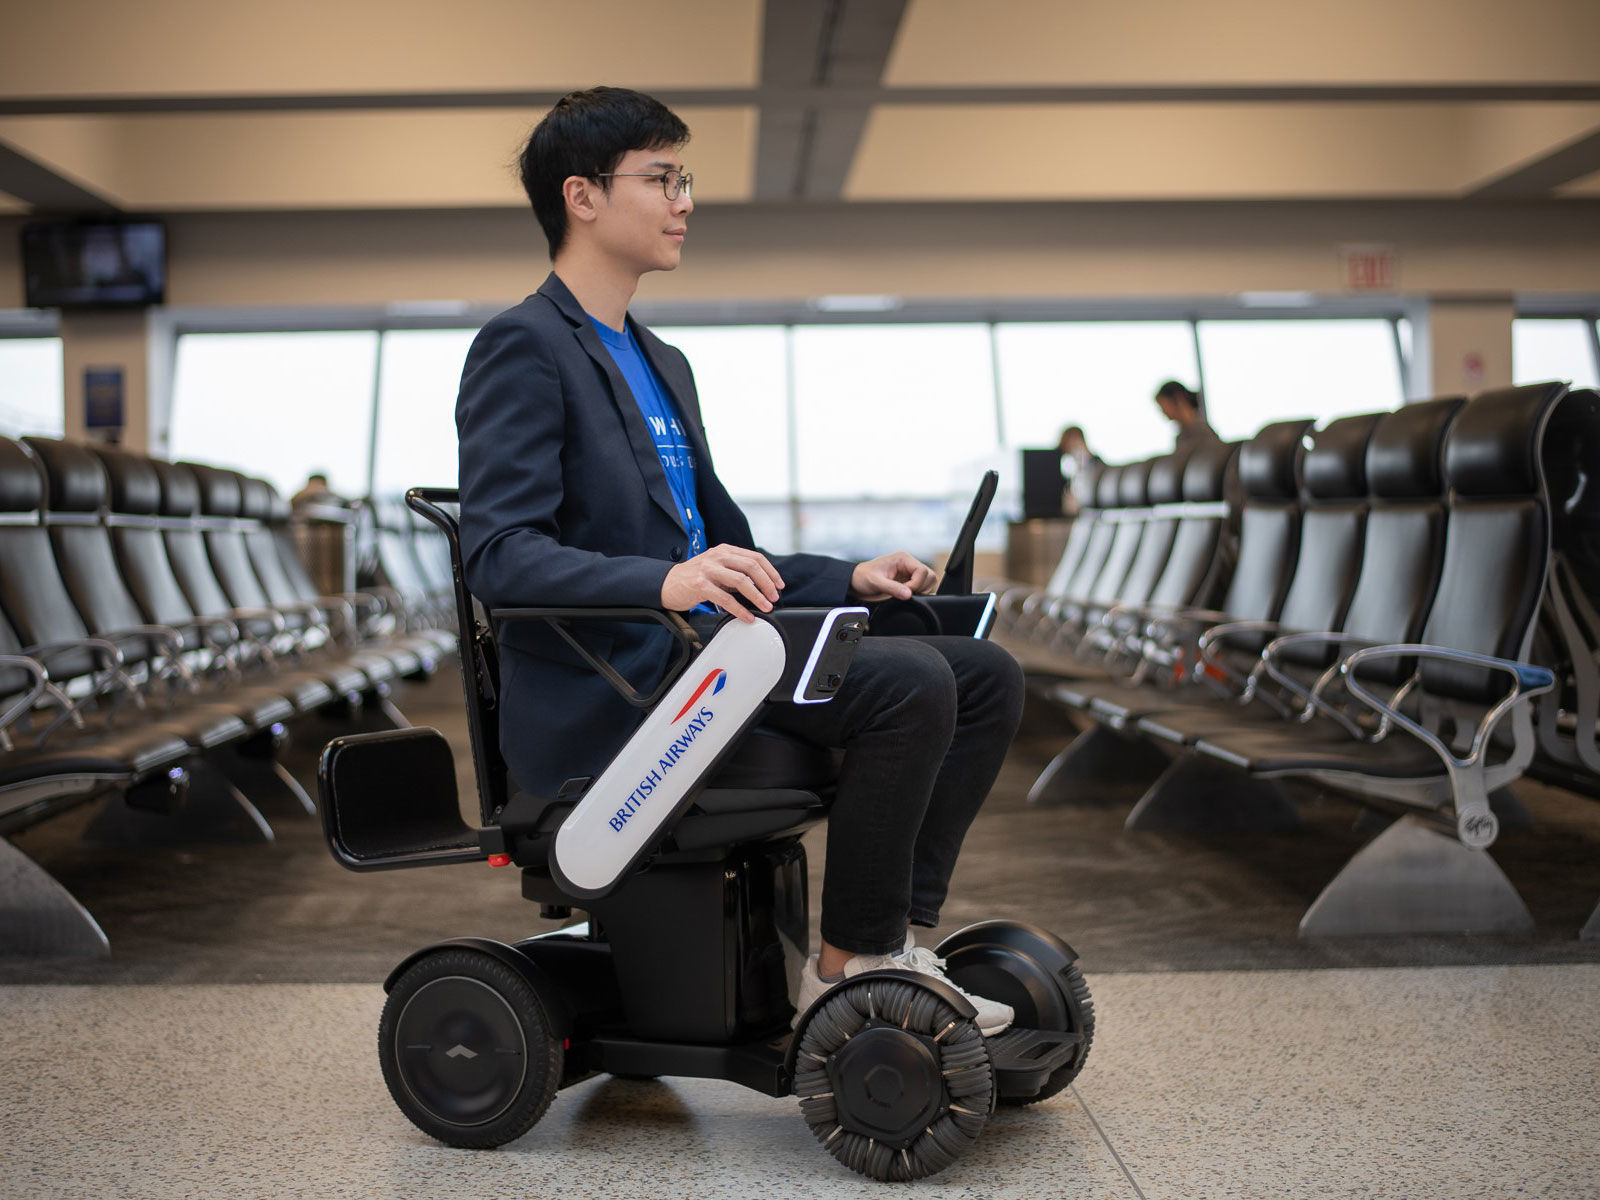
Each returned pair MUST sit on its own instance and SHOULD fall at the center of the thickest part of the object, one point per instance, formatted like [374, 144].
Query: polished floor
[226, 1048]
[1447, 1082]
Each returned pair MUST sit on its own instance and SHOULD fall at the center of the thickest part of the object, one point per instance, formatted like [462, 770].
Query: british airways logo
[713, 683]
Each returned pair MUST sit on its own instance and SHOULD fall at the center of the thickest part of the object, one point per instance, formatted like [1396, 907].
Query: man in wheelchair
[586, 481]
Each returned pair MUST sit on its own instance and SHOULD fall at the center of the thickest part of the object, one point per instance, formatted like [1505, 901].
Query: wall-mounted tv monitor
[94, 263]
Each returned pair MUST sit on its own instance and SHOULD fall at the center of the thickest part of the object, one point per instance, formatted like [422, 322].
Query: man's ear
[579, 193]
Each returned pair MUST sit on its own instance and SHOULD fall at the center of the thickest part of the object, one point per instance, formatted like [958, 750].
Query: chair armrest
[41, 686]
[1476, 825]
[1312, 698]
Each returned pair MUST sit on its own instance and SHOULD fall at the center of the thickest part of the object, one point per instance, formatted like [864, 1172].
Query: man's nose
[684, 204]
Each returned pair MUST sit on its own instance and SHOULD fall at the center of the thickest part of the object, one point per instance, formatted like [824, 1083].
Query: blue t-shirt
[666, 429]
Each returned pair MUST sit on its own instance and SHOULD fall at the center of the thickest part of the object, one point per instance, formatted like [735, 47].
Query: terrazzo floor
[1400, 1083]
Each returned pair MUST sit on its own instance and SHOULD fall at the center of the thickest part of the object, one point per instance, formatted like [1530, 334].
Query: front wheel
[467, 1050]
[892, 1080]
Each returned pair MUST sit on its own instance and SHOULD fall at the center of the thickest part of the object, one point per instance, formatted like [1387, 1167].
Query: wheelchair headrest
[75, 480]
[21, 484]
[1105, 491]
[1267, 461]
[1205, 475]
[1133, 485]
[1405, 459]
[180, 494]
[1493, 447]
[1335, 463]
[1165, 485]
[219, 490]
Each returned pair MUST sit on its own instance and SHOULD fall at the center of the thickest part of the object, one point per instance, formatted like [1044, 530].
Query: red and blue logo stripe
[714, 681]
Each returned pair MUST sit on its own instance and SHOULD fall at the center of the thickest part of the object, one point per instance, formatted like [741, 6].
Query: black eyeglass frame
[685, 180]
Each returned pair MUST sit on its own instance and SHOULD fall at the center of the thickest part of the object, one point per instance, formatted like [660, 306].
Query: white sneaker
[993, 1017]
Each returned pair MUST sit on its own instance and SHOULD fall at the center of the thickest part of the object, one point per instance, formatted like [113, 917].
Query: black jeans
[924, 724]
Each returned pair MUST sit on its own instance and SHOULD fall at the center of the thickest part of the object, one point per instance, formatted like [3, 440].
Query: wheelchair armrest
[951, 616]
[688, 642]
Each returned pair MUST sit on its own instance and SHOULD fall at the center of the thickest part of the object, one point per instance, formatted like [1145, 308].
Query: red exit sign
[1369, 268]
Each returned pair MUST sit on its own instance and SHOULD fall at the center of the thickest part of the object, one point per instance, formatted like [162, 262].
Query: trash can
[325, 541]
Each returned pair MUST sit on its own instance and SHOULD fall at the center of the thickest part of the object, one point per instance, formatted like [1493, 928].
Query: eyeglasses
[673, 183]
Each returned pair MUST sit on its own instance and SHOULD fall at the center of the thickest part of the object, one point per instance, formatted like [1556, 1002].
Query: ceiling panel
[1589, 185]
[388, 159]
[1244, 42]
[201, 47]
[1157, 151]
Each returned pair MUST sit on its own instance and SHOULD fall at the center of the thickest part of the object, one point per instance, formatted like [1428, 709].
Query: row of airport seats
[162, 648]
[1405, 619]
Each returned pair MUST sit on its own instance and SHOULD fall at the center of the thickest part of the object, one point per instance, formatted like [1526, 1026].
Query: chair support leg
[1411, 879]
[1197, 794]
[1591, 929]
[213, 811]
[265, 781]
[38, 917]
[1095, 768]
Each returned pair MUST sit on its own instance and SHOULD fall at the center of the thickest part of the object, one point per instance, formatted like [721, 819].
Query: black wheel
[467, 1050]
[1037, 974]
[891, 1079]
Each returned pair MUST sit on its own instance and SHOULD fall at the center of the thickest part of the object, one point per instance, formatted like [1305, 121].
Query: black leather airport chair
[1020, 608]
[1108, 491]
[261, 550]
[1269, 540]
[1460, 725]
[238, 595]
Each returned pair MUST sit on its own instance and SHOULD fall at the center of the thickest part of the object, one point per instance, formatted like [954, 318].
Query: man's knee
[916, 683]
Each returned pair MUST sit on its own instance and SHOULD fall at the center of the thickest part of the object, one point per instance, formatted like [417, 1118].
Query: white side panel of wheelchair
[624, 810]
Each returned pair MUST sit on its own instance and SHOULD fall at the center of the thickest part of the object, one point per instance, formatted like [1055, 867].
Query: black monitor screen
[94, 264]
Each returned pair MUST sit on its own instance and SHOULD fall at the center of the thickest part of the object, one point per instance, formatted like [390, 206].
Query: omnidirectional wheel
[467, 1050]
[1037, 974]
[892, 1078]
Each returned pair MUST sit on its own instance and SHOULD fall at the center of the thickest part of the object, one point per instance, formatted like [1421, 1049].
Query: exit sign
[1369, 268]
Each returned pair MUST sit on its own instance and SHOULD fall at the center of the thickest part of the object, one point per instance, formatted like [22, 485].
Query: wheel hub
[886, 1084]
[460, 1050]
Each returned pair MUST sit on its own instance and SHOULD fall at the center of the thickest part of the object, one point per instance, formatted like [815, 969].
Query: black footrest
[1024, 1058]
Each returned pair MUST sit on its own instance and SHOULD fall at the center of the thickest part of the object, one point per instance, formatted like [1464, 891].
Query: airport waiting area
[800, 598]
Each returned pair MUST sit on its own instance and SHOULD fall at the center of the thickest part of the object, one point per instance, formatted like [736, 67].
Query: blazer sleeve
[511, 421]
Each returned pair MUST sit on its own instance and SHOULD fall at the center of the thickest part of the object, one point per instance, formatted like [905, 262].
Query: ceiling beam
[805, 95]
[814, 52]
[37, 185]
[1545, 174]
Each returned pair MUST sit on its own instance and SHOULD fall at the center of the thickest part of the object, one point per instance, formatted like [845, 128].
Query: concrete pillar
[1468, 344]
[114, 341]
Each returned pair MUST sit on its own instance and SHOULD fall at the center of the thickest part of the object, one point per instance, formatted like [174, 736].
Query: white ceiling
[174, 105]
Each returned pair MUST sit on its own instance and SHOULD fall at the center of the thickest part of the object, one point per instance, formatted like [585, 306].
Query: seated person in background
[1075, 457]
[1182, 407]
[586, 480]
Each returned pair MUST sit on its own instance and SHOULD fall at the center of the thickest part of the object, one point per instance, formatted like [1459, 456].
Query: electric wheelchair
[685, 855]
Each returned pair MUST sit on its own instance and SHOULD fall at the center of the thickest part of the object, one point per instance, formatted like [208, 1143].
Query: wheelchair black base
[478, 1035]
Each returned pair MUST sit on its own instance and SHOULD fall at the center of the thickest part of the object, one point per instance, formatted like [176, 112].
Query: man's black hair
[586, 134]
[1173, 390]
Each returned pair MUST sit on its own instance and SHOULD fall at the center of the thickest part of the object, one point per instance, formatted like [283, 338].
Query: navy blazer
[564, 503]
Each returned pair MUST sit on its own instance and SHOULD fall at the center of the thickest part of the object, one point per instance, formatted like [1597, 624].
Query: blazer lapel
[639, 440]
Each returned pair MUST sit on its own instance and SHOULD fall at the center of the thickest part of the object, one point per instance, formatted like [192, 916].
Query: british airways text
[669, 759]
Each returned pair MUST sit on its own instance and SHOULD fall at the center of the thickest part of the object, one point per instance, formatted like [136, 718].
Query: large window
[31, 393]
[1101, 376]
[277, 405]
[1263, 371]
[849, 438]
[417, 408]
[1554, 348]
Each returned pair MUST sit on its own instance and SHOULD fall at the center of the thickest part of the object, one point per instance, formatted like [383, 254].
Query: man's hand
[723, 576]
[893, 576]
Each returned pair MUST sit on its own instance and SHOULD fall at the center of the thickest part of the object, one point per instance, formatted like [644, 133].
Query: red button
[499, 860]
